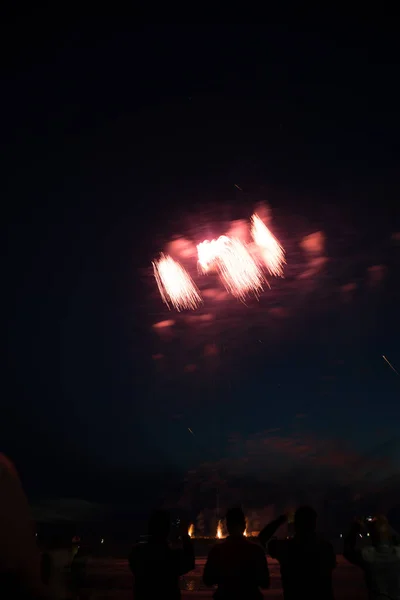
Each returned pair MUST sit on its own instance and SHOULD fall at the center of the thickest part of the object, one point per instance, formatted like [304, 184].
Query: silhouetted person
[155, 566]
[237, 565]
[79, 571]
[306, 561]
[380, 560]
[56, 568]
[19, 555]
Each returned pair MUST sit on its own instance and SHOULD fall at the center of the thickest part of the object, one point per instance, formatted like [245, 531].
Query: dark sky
[117, 140]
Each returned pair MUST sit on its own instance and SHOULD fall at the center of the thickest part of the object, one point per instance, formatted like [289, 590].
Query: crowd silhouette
[236, 567]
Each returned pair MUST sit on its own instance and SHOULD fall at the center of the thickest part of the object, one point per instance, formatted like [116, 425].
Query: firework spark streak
[271, 251]
[175, 284]
[390, 365]
[239, 272]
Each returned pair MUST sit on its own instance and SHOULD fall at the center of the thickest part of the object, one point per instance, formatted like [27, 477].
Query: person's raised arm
[350, 552]
[266, 534]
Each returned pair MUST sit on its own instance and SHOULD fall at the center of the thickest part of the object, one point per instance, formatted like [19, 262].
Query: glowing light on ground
[239, 272]
[175, 285]
[164, 324]
[271, 251]
[191, 530]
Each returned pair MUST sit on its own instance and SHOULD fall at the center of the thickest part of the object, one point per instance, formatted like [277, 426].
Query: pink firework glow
[271, 251]
[175, 284]
[238, 271]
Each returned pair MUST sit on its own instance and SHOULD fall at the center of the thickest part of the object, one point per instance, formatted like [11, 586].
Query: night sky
[117, 141]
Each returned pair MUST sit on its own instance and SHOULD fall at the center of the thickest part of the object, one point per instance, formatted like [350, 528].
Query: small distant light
[102, 541]
[341, 535]
[360, 535]
[367, 534]
[35, 534]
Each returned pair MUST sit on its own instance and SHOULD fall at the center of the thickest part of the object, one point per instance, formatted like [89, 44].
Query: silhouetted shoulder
[324, 545]
[211, 572]
[255, 548]
[327, 553]
[324, 541]
[216, 551]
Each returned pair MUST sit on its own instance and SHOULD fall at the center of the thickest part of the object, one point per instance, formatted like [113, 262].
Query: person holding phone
[307, 561]
[379, 559]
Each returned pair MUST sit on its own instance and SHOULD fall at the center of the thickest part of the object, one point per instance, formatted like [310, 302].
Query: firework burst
[175, 284]
[270, 249]
[239, 272]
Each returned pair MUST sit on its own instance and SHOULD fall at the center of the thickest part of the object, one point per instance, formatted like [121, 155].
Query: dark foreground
[111, 578]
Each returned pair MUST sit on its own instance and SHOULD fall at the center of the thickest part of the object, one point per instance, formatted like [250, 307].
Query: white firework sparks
[175, 284]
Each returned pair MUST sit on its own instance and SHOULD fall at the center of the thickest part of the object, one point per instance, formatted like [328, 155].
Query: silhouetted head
[380, 531]
[159, 524]
[305, 520]
[235, 521]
